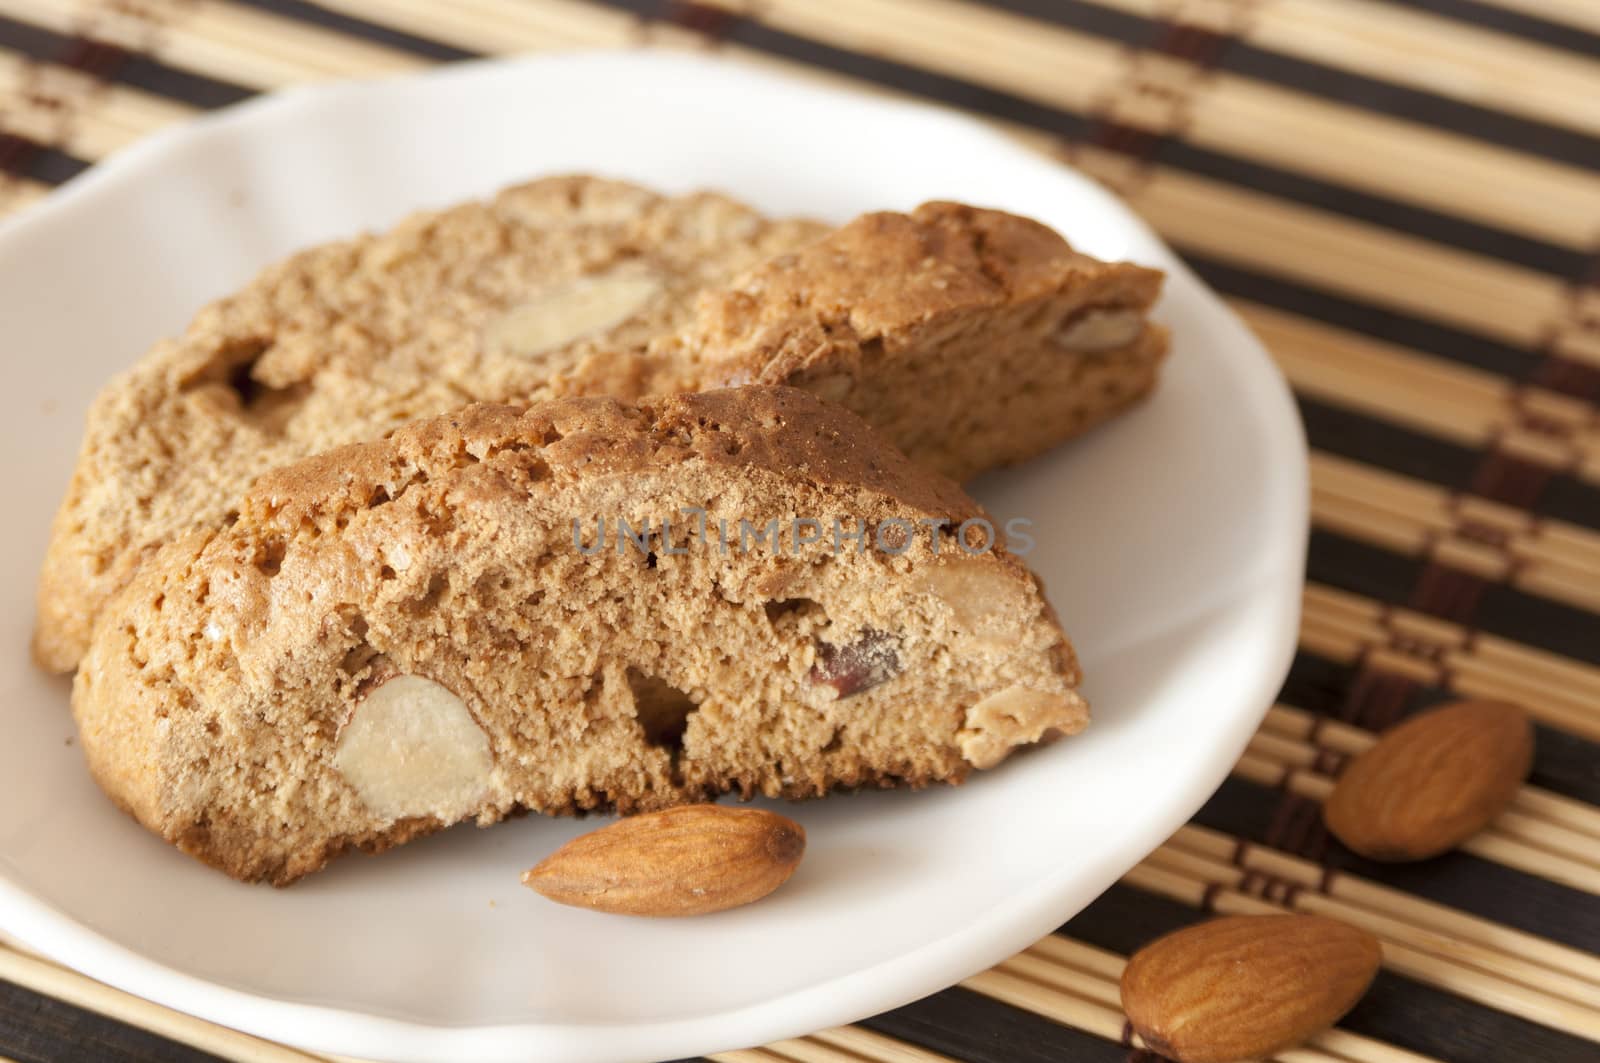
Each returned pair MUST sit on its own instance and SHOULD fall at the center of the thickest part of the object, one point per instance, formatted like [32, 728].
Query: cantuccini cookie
[584, 604]
[971, 338]
[549, 288]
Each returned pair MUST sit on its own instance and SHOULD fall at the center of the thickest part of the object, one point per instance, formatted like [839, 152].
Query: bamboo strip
[850, 1044]
[72, 111]
[1583, 14]
[1434, 54]
[1368, 523]
[1444, 399]
[1440, 397]
[1082, 984]
[1338, 143]
[1451, 975]
[748, 1055]
[1553, 837]
[1497, 847]
[1534, 859]
[262, 50]
[1017, 54]
[805, 1050]
[66, 17]
[496, 27]
[1079, 956]
[1467, 951]
[1456, 402]
[1237, 115]
[1561, 692]
[1001, 984]
[1346, 1045]
[1226, 849]
[47, 979]
[1318, 248]
[866, 1044]
[1368, 503]
[1557, 809]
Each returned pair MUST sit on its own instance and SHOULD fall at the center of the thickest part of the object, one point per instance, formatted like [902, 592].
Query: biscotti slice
[969, 338]
[550, 288]
[589, 604]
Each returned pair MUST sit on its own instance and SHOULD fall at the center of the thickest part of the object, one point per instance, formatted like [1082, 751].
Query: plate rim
[920, 971]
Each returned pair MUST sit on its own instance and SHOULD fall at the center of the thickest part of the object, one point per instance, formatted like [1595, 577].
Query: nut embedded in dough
[1100, 329]
[571, 311]
[982, 602]
[1017, 716]
[411, 748]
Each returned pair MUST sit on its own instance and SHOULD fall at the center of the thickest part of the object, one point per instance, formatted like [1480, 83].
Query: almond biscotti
[466, 620]
[549, 288]
[970, 337]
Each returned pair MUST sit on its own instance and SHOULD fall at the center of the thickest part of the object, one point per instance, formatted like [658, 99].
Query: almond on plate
[1432, 782]
[684, 861]
[1246, 986]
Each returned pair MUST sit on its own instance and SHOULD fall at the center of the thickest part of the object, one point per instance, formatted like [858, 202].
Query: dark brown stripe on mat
[1089, 18]
[1437, 226]
[704, 19]
[1579, 379]
[971, 1027]
[1195, 45]
[1316, 684]
[1371, 441]
[1565, 764]
[1512, 23]
[137, 71]
[1249, 811]
[903, 77]
[22, 157]
[95, 58]
[1526, 135]
[1295, 827]
[41, 1029]
[357, 27]
[1430, 337]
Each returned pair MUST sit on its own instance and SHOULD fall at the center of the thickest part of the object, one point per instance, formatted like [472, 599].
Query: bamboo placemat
[1402, 197]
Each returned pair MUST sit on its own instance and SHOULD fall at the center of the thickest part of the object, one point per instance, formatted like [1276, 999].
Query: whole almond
[1246, 986]
[683, 861]
[1432, 782]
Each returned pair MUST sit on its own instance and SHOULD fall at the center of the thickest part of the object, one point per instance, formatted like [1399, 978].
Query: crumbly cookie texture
[400, 635]
[551, 288]
[971, 338]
